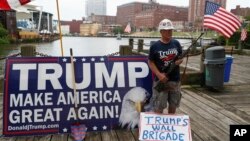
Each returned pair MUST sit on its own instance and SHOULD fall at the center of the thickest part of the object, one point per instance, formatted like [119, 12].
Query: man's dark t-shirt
[161, 54]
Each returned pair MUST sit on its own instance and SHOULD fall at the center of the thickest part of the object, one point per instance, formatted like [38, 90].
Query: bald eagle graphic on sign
[134, 101]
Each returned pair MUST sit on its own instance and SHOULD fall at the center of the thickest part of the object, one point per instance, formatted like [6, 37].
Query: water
[90, 46]
[82, 46]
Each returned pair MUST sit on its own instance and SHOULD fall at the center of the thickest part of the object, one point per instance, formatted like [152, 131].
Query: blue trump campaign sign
[39, 95]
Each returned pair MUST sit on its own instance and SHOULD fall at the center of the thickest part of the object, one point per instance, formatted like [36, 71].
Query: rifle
[160, 86]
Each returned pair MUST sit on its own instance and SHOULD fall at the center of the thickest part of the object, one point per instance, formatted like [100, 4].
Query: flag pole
[59, 24]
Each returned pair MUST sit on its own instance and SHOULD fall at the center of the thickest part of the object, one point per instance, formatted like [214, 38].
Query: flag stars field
[102, 59]
[65, 130]
[83, 59]
[104, 127]
[92, 59]
[94, 128]
[64, 60]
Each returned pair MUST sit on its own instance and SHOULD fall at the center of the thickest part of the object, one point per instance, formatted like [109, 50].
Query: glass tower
[96, 7]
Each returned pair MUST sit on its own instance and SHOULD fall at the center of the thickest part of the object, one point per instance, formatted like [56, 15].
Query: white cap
[165, 24]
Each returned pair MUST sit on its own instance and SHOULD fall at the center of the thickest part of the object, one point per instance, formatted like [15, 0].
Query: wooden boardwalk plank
[135, 133]
[125, 135]
[59, 137]
[93, 136]
[25, 138]
[202, 127]
[109, 135]
[8, 139]
[232, 95]
[195, 135]
[243, 88]
[242, 106]
[43, 138]
[245, 109]
[1, 126]
[208, 114]
[232, 101]
[248, 113]
[225, 109]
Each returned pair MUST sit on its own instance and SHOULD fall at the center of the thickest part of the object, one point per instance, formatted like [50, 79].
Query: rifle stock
[170, 67]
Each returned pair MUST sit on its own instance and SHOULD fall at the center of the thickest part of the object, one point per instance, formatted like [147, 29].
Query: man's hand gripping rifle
[160, 86]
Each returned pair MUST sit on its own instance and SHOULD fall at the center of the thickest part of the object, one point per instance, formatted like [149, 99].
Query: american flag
[220, 20]
[128, 28]
[79, 132]
[12, 4]
[243, 34]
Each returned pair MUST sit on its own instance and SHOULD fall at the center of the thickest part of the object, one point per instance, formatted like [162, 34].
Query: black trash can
[215, 64]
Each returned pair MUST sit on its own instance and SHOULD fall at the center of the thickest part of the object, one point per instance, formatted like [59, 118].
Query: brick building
[126, 12]
[150, 18]
[103, 19]
[74, 26]
[241, 11]
[148, 15]
[107, 22]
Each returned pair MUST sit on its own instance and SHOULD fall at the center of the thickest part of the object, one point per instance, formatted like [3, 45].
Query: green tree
[3, 35]
[247, 18]
[117, 30]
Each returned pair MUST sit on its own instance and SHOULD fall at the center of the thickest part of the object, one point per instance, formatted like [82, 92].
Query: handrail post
[131, 42]
[28, 51]
[140, 45]
[125, 50]
[202, 65]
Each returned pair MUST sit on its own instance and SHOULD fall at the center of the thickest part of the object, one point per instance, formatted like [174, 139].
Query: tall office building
[197, 7]
[96, 7]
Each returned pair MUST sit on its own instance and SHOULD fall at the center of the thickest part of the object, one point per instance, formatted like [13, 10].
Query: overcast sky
[75, 9]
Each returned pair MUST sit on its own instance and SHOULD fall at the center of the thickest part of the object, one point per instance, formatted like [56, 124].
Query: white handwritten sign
[158, 127]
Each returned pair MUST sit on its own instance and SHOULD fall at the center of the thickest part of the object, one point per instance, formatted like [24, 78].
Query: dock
[211, 112]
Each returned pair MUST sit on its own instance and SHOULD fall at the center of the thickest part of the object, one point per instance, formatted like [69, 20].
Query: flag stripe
[214, 27]
[218, 19]
[243, 34]
[227, 19]
[220, 23]
[128, 28]
[231, 16]
[12, 4]
[24, 1]
[4, 5]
